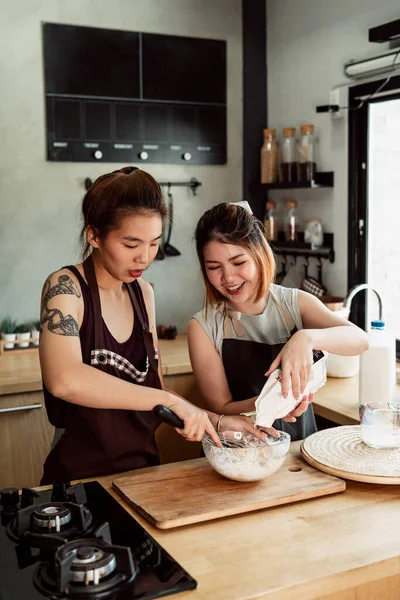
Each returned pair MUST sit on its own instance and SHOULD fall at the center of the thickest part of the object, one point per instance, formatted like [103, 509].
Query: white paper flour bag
[271, 404]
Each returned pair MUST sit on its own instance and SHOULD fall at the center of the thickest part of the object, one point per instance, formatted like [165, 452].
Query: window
[374, 199]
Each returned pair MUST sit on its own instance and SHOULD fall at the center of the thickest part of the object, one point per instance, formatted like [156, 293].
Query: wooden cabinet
[26, 434]
[25, 437]
[171, 445]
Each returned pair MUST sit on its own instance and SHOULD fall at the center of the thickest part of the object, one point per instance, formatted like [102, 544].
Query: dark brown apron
[245, 363]
[102, 441]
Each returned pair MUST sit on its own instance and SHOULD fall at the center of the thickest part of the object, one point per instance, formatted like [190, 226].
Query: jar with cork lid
[306, 167]
[269, 157]
[292, 222]
[288, 156]
[270, 221]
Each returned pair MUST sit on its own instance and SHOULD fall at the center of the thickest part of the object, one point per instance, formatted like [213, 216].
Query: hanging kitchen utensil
[319, 270]
[306, 263]
[292, 278]
[310, 284]
[170, 250]
[282, 273]
[160, 254]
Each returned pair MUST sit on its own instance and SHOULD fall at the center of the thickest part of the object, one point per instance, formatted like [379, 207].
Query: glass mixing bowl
[247, 459]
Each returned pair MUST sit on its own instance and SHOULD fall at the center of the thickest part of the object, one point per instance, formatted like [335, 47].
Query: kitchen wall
[40, 200]
[308, 43]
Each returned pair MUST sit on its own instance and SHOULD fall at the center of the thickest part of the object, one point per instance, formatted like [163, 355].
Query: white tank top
[272, 326]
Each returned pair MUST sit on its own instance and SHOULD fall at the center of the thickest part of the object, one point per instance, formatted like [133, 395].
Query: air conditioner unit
[370, 67]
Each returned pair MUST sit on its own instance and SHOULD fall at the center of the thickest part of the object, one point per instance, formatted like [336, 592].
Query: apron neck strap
[287, 317]
[90, 274]
[88, 268]
[146, 333]
[233, 326]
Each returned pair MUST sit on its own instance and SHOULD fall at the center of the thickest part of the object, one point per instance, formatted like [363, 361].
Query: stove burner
[78, 543]
[90, 563]
[63, 519]
[85, 568]
[51, 516]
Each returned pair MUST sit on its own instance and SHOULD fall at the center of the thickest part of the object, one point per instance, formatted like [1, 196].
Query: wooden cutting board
[191, 491]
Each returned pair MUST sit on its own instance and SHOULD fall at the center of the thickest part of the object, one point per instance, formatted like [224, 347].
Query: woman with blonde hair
[250, 326]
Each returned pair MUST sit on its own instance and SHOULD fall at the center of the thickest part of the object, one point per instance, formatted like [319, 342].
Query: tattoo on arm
[57, 322]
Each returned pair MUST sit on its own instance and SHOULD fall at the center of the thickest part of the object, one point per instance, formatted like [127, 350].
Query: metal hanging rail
[193, 184]
[321, 253]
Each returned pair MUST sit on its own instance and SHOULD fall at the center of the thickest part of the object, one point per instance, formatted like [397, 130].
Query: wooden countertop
[339, 547]
[336, 401]
[20, 371]
[175, 356]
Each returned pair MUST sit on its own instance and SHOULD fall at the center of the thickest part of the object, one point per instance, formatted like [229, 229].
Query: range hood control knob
[143, 155]
[186, 156]
[98, 154]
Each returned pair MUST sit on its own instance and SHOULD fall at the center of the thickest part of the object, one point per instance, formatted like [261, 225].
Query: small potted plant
[35, 332]
[7, 328]
[23, 335]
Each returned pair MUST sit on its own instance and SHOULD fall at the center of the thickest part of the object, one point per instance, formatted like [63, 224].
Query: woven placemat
[342, 448]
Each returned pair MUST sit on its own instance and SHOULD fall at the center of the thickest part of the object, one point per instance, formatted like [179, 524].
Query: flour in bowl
[249, 463]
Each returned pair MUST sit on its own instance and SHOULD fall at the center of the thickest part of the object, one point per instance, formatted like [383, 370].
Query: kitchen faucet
[359, 288]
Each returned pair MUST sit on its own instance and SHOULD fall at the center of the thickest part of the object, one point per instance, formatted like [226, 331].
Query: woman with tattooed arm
[98, 345]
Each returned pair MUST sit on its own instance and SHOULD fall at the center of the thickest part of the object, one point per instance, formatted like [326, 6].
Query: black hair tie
[128, 170]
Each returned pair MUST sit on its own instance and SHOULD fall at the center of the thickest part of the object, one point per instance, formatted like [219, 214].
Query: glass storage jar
[306, 167]
[292, 223]
[288, 156]
[271, 222]
[269, 157]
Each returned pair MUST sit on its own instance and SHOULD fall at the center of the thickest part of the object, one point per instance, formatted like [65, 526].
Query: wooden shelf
[322, 180]
[302, 248]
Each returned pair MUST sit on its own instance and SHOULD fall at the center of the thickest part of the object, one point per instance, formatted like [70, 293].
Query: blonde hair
[232, 224]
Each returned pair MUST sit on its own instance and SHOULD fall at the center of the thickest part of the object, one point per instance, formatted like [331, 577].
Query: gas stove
[78, 543]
